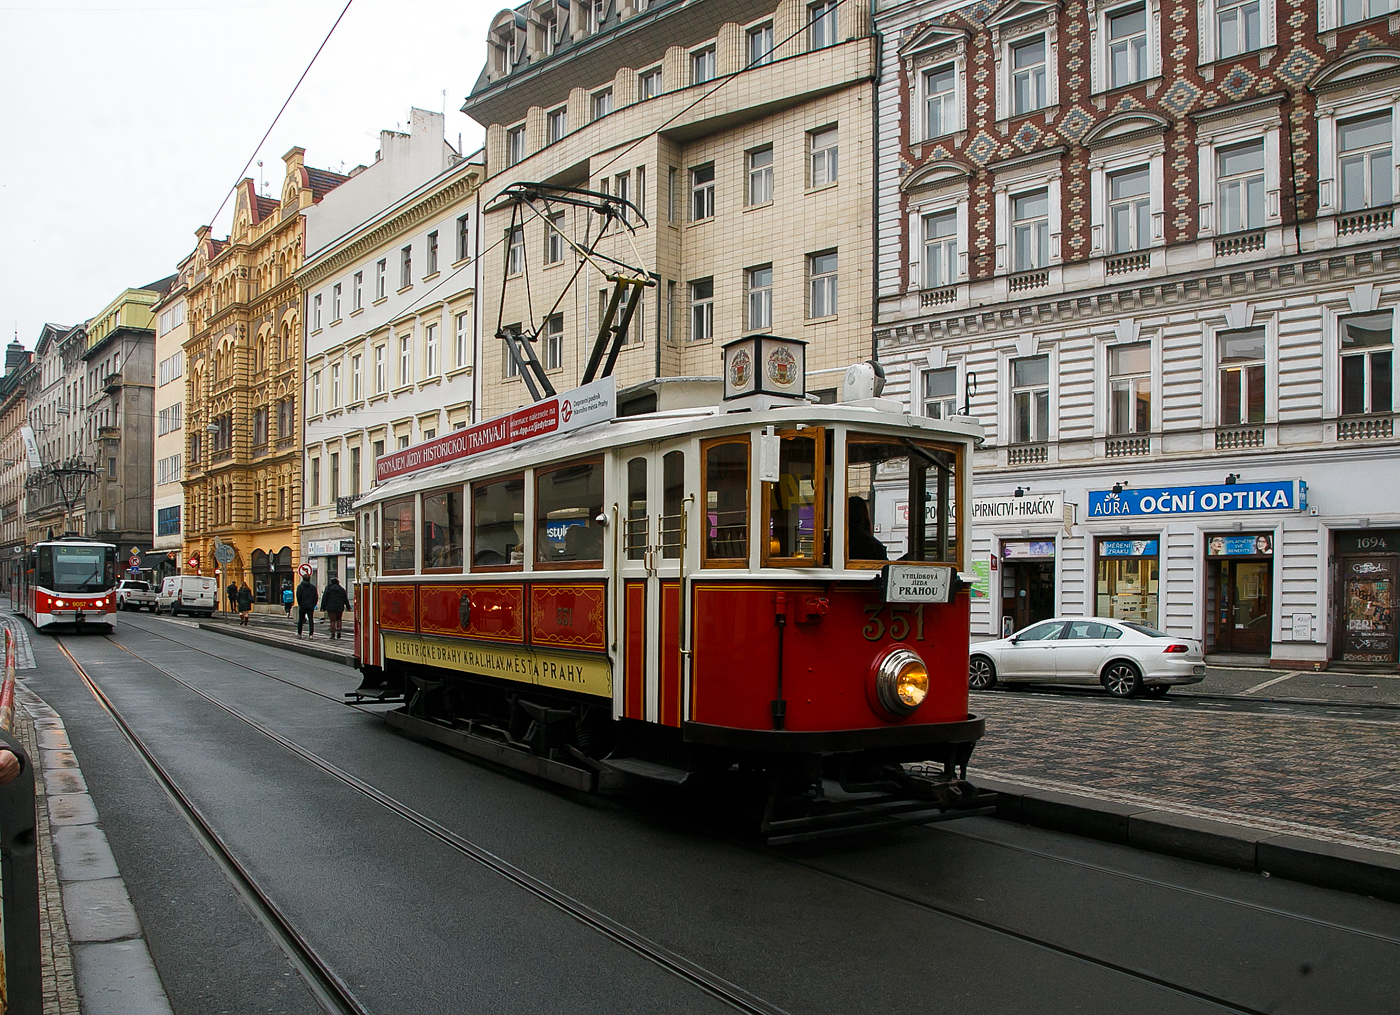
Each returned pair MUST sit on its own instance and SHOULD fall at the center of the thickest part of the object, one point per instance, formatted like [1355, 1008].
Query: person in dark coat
[334, 603]
[307, 598]
[232, 591]
[245, 603]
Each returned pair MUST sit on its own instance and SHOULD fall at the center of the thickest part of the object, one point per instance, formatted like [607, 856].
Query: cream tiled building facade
[743, 133]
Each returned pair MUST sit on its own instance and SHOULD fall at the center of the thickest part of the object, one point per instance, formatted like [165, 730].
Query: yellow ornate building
[243, 376]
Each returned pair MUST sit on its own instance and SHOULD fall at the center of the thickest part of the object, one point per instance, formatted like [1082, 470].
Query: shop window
[442, 530]
[1127, 577]
[1130, 388]
[1367, 364]
[794, 506]
[397, 555]
[1241, 376]
[568, 501]
[726, 497]
[1030, 400]
[498, 523]
[884, 483]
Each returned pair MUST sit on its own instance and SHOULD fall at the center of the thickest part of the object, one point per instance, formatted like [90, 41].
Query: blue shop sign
[1127, 547]
[1289, 495]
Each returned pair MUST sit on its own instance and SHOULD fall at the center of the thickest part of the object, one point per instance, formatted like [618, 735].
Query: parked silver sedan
[1125, 658]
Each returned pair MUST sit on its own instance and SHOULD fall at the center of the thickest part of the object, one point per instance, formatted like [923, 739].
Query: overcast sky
[123, 125]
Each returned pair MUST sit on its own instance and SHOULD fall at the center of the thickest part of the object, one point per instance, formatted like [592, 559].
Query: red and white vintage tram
[67, 581]
[679, 594]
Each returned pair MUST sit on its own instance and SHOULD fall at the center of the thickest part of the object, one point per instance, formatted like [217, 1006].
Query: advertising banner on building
[1288, 495]
[1029, 508]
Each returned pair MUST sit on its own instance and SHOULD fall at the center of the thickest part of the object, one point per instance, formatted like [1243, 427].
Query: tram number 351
[898, 626]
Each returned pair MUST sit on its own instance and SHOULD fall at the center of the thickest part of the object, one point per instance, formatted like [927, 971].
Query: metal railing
[21, 968]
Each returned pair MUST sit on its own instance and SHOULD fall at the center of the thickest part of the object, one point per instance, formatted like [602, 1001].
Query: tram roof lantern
[767, 366]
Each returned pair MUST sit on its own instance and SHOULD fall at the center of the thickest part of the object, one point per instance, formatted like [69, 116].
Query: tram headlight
[901, 682]
[58, 602]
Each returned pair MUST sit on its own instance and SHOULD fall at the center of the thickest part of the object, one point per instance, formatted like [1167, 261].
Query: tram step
[493, 750]
[648, 770]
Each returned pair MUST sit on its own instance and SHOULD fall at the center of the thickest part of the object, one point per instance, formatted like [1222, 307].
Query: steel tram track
[698, 976]
[1303, 708]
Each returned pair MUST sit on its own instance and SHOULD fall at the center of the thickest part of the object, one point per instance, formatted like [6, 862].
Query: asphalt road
[970, 916]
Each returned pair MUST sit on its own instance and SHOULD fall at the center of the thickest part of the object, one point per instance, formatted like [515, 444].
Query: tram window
[442, 530]
[726, 542]
[77, 568]
[498, 523]
[398, 536]
[638, 536]
[883, 480]
[672, 504]
[568, 501]
[794, 505]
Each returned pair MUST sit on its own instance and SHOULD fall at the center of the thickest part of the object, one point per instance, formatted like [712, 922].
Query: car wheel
[981, 674]
[1122, 679]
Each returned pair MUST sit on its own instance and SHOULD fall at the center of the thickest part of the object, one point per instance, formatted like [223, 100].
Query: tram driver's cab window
[568, 502]
[725, 523]
[885, 483]
[795, 505]
[442, 531]
[398, 536]
[498, 523]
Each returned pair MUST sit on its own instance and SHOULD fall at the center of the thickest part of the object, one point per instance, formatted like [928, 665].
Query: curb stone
[1298, 858]
[305, 648]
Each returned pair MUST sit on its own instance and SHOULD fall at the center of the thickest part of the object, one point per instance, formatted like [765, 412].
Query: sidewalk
[281, 632]
[1355, 687]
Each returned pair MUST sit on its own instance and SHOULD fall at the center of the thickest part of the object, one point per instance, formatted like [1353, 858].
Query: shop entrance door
[1367, 609]
[1243, 610]
[1028, 591]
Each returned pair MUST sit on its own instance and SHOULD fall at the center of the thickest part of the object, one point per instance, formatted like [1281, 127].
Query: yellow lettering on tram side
[546, 668]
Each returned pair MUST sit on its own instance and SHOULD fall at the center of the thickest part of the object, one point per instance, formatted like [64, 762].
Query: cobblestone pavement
[1330, 777]
[1329, 685]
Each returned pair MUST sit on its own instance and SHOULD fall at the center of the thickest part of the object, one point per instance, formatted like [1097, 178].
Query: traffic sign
[194, 561]
[223, 553]
[304, 570]
[135, 561]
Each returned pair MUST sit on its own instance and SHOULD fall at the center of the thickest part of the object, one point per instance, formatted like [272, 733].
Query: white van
[187, 593]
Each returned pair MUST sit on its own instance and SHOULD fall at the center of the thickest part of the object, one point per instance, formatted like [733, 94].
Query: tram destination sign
[1288, 495]
[591, 403]
[914, 583]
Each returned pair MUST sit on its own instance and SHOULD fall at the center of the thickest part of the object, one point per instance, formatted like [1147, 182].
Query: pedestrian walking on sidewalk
[334, 603]
[245, 603]
[232, 591]
[287, 599]
[307, 598]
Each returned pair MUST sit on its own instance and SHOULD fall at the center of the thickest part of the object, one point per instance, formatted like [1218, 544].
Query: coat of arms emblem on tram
[740, 367]
[782, 367]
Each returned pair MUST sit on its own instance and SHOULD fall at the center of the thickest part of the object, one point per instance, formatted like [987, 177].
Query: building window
[168, 470]
[168, 521]
[286, 418]
[760, 308]
[761, 45]
[595, 15]
[259, 426]
[1364, 166]
[335, 385]
[406, 267]
[1367, 364]
[602, 103]
[1241, 356]
[941, 393]
[169, 419]
[554, 342]
[821, 284]
[405, 360]
[702, 192]
[1237, 24]
[622, 187]
[432, 252]
[512, 368]
[463, 236]
[430, 351]
[1028, 76]
[356, 378]
[940, 249]
[335, 302]
[515, 251]
[354, 472]
[822, 157]
[515, 145]
[821, 23]
[1130, 210]
[761, 175]
[379, 372]
[1241, 186]
[316, 312]
[1130, 388]
[172, 368]
[940, 108]
[314, 482]
[357, 290]
[1362, 10]
[1030, 400]
[649, 84]
[463, 340]
[702, 309]
[1030, 230]
[315, 392]
[1127, 46]
[381, 270]
[702, 65]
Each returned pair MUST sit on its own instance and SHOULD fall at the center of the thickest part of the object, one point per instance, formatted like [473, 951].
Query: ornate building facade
[1151, 246]
[243, 379]
[15, 467]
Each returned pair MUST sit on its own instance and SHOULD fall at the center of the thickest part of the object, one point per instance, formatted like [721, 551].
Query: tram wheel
[981, 674]
[1122, 679]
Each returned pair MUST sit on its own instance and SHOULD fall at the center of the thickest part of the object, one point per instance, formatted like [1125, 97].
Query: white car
[135, 595]
[1125, 658]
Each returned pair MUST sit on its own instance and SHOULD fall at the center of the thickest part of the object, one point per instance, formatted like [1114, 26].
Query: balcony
[1365, 220]
[1239, 243]
[930, 298]
[1362, 428]
[1122, 264]
[1027, 454]
[1127, 447]
[1236, 438]
[1028, 280]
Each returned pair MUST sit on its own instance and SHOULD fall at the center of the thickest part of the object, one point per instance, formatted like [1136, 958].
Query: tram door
[652, 528]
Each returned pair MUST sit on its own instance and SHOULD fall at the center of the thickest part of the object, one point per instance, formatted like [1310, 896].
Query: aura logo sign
[1290, 495]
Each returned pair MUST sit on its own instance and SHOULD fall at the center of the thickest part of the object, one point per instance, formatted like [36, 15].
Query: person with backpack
[287, 597]
[307, 598]
[334, 603]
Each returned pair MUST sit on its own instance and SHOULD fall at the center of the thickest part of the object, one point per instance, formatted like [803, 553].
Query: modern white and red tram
[67, 581]
[780, 590]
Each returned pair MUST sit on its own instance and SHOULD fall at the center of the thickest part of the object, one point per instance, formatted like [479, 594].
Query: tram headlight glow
[901, 682]
[58, 602]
